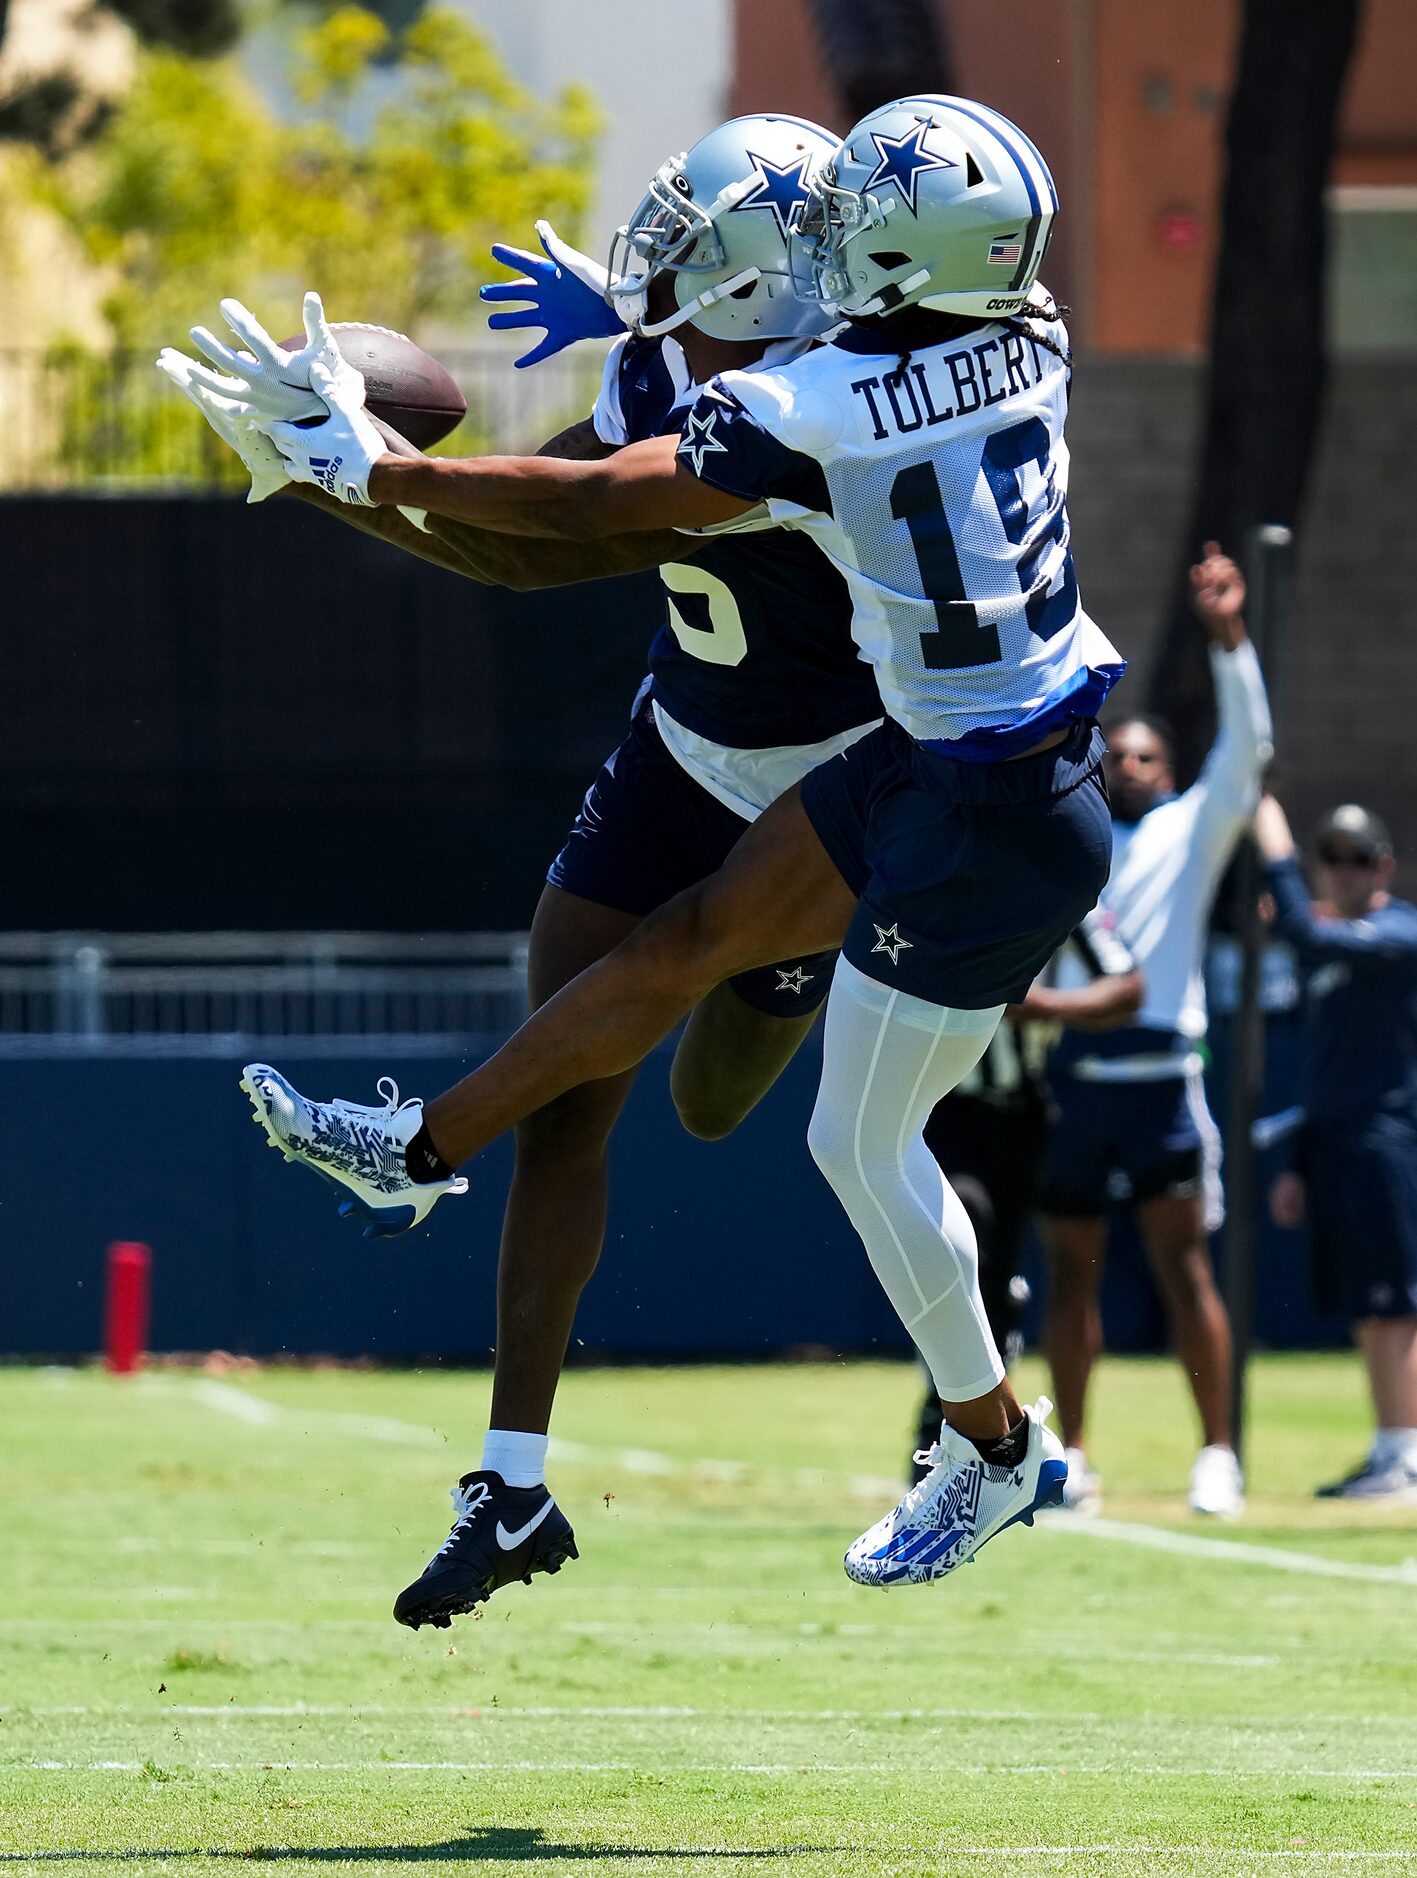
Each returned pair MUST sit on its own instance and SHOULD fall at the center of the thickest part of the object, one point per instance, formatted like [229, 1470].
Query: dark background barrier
[212, 718]
[217, 716]
[735, 1248]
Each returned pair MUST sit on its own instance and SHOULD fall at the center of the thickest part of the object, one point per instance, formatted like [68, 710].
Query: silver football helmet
[718, 222]
[929, 201]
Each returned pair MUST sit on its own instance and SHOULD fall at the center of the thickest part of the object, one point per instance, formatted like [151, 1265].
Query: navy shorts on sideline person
[968, 876]
[646, 831]
[1361, 1191]
[1132, 1141]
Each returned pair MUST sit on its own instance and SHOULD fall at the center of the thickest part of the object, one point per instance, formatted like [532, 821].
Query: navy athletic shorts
[1361, 1181]
[1129, 1141]
[645, 832]
[968, 876]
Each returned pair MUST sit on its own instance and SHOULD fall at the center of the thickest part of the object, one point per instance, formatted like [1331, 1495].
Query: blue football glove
[566, 291]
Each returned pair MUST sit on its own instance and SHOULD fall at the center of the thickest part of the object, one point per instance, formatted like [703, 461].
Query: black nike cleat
[501, 1533]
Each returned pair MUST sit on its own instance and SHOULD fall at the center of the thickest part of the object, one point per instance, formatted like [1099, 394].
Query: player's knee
[974, 1197]
[1185, 1275]
[706, 1114]
[831, 1140]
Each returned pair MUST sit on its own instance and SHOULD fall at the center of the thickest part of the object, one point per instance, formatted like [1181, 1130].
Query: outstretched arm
[640, 488]
[519, 562]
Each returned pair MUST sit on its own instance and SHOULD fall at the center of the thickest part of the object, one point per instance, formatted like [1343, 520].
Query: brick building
[1128, 104]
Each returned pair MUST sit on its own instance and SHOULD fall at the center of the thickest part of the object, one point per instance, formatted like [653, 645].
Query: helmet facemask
[668, 233]
[835, 217]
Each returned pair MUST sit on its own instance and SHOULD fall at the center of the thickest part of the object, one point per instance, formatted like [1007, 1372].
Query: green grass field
[197, 1662]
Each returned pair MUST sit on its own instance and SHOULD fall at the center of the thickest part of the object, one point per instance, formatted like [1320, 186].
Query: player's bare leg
[554, 1224]
[728, 1058]
[1389, 1350]
[1388, 1475]
[777, 895]
[1173, 1230]
[1072, 1332]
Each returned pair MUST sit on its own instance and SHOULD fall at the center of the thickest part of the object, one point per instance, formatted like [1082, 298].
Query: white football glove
[273, 380]
[338, 455]
[233, 422]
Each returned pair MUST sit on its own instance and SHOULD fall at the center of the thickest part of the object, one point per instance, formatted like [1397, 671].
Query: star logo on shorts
[793, 980]
[700, 441]
[888, 940]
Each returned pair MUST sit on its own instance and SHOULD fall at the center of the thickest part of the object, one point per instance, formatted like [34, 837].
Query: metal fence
[86, 421]
[198, 994]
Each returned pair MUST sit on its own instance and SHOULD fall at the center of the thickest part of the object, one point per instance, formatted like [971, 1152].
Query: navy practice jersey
[937, 484]
[1360, 980]
[755, 651]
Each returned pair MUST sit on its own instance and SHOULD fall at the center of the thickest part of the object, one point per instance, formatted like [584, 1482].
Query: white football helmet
[935, 202]
[719, 221]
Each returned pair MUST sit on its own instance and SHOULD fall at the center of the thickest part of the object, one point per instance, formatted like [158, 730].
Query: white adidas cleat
[959, 1506]
[359, 1150]
[1217, 1485]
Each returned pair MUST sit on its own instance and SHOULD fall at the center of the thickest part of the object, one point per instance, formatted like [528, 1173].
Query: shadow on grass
[512, 1843]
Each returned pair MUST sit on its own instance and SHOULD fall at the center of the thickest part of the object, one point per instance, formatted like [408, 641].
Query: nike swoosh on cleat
[509, 1540]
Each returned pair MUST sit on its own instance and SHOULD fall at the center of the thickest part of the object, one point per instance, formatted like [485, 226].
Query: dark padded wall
[217, 716]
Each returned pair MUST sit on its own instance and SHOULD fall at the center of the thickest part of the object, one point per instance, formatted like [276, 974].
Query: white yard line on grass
[490, 1711]
[257, 1411]
[1229, 1551]
[910, 1768]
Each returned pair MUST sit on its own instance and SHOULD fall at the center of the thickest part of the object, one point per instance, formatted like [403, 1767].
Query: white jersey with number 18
[936, 481]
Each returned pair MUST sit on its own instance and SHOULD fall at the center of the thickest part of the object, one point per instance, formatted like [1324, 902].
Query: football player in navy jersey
[754, 679]
[950, 851]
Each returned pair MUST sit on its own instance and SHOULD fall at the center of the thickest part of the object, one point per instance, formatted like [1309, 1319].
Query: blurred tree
[386, 202]
[197, 188]
[62, 63]
[1268, 359]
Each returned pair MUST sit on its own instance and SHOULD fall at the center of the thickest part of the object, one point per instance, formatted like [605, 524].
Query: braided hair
[1021, 323]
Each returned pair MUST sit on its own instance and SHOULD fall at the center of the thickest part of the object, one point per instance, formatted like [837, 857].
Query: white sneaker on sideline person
[1217, 1485]
[1082, 1490]
[960, 1505]
[358, 1149]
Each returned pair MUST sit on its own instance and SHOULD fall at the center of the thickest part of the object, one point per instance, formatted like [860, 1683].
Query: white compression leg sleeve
[888, 1058]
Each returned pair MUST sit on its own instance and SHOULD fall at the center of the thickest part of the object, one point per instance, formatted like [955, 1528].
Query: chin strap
[652, 329]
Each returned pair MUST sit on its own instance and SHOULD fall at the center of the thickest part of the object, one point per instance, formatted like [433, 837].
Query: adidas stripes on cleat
[359, 1150]
[501, 1533]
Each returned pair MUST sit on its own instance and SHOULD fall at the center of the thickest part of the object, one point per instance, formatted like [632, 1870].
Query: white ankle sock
[519, 1457]
[1395, 1446]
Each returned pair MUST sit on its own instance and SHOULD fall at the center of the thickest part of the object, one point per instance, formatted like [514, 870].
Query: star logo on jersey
[795, 980]
[780, 188]
[902, 162]
[889, 941]
[700, 440]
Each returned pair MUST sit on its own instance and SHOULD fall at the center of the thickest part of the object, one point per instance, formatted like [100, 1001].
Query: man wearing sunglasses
[1355, 1174]
[1130, 1115]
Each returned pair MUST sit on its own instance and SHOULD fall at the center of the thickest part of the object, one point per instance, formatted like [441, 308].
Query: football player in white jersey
[951, 851]
[1132, 1103]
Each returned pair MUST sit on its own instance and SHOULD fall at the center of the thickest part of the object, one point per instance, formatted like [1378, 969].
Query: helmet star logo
[889, 941]
[700, 441]
[781, 188]
[794, 980]
[902, 161]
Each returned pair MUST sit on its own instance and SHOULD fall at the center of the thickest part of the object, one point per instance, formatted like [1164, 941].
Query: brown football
[403, 384]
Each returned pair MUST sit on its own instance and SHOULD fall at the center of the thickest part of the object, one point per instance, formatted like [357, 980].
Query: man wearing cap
[1355, 1174]
[1130, 1117]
